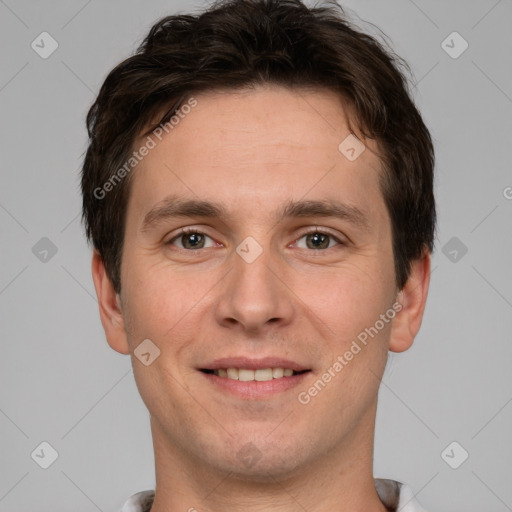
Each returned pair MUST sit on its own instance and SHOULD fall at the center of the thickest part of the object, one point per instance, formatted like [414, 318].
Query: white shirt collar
[395, 495]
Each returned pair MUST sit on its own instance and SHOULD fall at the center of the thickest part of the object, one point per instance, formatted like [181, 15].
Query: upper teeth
[244, 374]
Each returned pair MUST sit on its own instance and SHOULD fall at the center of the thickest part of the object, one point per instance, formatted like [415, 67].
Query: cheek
[347, 299]
[154, 311]
[355, 344]
[163, 303]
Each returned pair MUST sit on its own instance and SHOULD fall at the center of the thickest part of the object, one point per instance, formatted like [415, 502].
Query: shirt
[396, 496]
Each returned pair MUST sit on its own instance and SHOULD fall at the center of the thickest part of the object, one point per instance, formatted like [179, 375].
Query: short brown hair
[239, 43]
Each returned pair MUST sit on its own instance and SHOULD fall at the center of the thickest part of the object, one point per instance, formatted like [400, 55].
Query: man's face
[254, 285]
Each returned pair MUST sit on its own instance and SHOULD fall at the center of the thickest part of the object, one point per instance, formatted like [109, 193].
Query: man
[258, 191]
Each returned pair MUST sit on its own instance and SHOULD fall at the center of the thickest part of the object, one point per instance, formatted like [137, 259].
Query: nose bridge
[253, 293]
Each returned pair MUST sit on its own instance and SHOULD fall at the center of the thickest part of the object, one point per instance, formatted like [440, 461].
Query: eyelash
[189, 230]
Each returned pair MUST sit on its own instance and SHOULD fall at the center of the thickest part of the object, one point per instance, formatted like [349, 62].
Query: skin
[252, 151]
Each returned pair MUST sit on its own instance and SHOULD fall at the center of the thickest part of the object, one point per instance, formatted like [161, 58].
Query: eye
[193, 239]
[317, 239]
[190, 239]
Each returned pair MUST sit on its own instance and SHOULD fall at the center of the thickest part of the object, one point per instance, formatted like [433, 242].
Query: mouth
[249, 375]
[254, 379]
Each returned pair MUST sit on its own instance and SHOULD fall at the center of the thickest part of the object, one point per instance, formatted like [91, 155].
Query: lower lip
[256, 389]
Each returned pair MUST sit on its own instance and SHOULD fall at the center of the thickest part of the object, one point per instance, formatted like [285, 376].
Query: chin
[261, 462]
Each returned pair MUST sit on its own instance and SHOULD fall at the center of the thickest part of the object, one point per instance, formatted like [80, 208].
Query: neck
[340, 480]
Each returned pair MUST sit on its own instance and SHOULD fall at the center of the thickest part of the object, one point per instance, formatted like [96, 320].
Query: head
[242, 112]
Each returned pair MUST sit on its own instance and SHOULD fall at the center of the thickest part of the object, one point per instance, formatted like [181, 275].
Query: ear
[110, 307]
[413, 298]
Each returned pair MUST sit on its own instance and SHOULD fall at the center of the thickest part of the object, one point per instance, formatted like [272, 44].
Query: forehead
[257, 146]
[282, 119]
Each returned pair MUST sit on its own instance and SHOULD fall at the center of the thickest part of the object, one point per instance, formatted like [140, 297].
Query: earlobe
[109, 306]
[413, 298]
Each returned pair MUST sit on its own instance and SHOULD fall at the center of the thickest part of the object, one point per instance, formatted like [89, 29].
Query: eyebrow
[175, 207]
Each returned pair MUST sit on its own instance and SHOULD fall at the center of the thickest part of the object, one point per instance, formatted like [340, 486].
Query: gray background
[61, 383]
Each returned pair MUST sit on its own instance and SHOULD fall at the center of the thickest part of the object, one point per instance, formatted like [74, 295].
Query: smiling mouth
[248, 375]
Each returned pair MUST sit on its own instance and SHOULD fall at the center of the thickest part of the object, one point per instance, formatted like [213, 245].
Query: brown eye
[316, 240]
[190, 240]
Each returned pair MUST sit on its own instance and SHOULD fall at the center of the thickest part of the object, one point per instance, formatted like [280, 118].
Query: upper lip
[254, 364]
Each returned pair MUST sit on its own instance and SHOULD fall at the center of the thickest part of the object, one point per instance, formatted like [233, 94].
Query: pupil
[317, 237]
[194, 237]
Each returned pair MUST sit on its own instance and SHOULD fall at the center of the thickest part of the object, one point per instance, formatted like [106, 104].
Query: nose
[255, 294]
